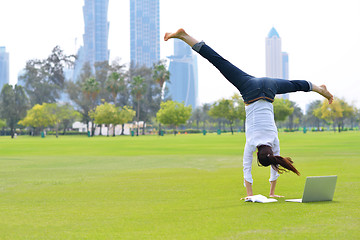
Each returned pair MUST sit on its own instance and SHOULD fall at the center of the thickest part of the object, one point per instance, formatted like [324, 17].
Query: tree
[150, 100]
[295, 116]
[104, 114]
[332, 113]
[196, 116]
[38, 117]
[108, 114]
[313, 114]
[2, 123]
[239, 107]
[81, 99]
[173, 113]
[138, 89]
[13, 105]
[282, 109]
[102, 70]
[44, 79]
[126, 115]
[122, 85]
[91, 90]
[113, 85]
[64, 114]
[225, 108]
[348, 113]
[217, 111]
[205, 113]
[161, 76]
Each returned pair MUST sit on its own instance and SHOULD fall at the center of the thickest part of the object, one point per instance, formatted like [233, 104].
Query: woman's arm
[247, 162]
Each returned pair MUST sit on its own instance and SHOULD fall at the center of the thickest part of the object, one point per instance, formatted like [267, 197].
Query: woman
[258, 95]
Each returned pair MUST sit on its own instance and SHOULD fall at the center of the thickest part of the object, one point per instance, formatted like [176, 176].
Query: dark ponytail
[278, 163]
[283, 164]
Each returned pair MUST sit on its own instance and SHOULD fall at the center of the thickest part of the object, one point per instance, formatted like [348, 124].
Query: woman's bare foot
[322, 90]
[178, 34]
[182, 35]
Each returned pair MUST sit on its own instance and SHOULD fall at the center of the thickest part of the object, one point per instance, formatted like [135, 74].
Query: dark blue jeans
[251, 88]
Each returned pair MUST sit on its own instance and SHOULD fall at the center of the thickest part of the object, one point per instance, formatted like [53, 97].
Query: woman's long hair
[278, 163]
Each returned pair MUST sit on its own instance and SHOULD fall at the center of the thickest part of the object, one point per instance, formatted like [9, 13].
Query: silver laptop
[318, 189]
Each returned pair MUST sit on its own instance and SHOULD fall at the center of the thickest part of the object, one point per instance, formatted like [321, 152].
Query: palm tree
[91, 90]
[205, 113]
[138, 89]
[161, 76]
[114, 84]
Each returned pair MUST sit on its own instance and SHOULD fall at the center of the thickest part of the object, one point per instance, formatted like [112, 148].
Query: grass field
[183, 187]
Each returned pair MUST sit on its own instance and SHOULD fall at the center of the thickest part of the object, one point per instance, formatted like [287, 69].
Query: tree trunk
[138, 116]
[12, 132]
[93, 129]
[143, 133]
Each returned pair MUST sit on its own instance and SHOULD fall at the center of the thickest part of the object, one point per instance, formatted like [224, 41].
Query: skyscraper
[183, 86]
[277, 62]
[96, 35]
[144, 32]
[4, 67]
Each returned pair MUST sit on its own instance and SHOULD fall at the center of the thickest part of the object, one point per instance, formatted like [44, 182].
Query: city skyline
[324, 49]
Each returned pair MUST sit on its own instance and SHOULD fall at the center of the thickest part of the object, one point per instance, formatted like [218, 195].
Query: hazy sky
[322, 37]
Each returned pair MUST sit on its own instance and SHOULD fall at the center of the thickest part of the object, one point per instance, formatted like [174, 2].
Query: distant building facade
[277, 62]
[144, 32]
[183, 86]
[95, 37]
[4, 67]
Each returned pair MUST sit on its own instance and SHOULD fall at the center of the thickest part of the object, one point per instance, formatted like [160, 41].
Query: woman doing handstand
[258, 95]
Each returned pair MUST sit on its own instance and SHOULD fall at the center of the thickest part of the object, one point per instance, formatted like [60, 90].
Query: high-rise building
[285, 65]
[95, 37]
[4, 67]
[183, 86]
[277, 62]
[144, 32]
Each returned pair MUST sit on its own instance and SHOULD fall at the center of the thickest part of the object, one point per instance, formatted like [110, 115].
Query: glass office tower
[277, 62]
[4, 67]
[144, 32]
[95, 37]
[183, 86]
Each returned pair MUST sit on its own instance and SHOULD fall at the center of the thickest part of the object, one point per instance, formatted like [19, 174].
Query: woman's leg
[233, 74]
[287, 86]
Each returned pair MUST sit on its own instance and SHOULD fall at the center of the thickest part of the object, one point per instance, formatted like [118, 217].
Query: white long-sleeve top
[260, 129]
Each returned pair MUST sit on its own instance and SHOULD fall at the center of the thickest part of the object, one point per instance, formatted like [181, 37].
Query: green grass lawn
[183, 187]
